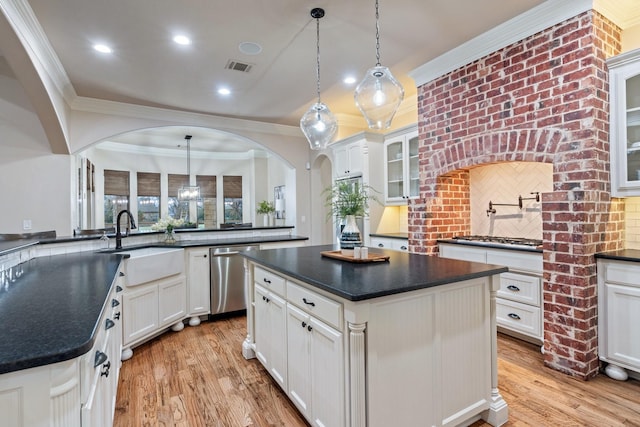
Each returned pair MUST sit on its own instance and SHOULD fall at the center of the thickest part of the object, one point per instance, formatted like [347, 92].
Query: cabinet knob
[115, 303]
[514, 316]
[117, 316]
[118, 288]
[309, 328]
[513, 288]
[121, 274]
[311, 303]
[304, 324]
[108, 324]
[99, 359]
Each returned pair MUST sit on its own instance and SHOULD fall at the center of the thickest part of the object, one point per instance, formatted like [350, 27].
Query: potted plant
[348, 201]
[267, 209]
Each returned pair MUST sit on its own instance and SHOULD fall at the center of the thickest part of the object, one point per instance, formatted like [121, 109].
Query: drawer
[520, 260]
[629, 274]
[316, 305]
[520, 287]
[269, 280]
[519, 317]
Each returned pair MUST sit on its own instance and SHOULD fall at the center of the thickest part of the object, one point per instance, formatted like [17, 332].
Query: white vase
[265, 220]
[350, 236]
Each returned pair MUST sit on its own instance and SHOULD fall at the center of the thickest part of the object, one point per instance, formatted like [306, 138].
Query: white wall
[34, 184]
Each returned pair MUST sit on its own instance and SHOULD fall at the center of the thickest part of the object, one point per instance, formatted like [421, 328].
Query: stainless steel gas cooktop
[500, 241]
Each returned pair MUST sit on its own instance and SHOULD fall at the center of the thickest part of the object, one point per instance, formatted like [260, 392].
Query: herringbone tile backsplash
[502, 183]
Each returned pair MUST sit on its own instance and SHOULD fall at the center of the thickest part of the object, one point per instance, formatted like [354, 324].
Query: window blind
[207, 184]
[116, 183]
[175, 183]
[148, 184]
[232, 186]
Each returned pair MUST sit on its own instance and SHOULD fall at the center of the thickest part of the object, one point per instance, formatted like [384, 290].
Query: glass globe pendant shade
[319, 126]
[378, 97]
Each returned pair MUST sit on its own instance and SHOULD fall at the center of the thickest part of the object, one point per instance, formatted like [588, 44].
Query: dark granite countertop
[358, 281]
[403, 236]
[632, 255]
[50, 313]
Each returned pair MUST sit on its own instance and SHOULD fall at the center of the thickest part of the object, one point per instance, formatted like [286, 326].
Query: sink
[148, 264]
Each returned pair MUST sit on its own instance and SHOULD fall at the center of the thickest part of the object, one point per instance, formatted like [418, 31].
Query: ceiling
[148, 68]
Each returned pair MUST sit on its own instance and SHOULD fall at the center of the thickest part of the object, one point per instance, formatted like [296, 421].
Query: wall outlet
[26, 224]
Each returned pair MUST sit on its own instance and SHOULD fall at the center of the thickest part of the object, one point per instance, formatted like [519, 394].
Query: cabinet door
[623, 324]
[198, 282]
[394, 164]
[355, 158]
[271, 333]
[341, 157]
[327, 375]
[172, 300]
[140, 308]
[299, 350]
[412, 166]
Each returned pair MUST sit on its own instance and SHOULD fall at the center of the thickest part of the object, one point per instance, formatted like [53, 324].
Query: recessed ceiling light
[349, 80]
[224, 91]
[102, 48]
[250, 48]
[182, 39]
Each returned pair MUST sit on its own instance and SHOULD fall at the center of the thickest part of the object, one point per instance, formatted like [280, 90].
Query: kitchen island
[408, 341]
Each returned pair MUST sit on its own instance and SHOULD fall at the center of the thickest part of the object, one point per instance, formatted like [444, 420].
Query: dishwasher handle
[225, 253]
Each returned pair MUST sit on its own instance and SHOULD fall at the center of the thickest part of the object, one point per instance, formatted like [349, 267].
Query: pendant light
[188, 193]
[379, 94]
[318, 124]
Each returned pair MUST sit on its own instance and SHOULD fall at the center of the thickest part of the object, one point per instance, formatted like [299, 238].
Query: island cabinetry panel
[519, 302]
[422, 357]
[198, 284]
[271, 333]
[619, 317]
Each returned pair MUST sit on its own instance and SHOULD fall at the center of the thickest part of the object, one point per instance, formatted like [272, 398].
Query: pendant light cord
[318, 57]
[377, 36]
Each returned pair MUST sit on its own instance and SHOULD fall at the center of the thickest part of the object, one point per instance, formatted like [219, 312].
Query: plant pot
[350, 236]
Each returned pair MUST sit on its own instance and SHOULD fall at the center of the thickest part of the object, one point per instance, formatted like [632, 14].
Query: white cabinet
[519, 300]
[150, 308]
[271, 333]
[401, 171]
[349, 159]
[73, 393]
[624, 78]
[619, 317]
[390, 243]
[198, 284]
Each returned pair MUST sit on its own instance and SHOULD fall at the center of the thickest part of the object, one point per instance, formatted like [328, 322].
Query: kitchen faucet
[118, 234]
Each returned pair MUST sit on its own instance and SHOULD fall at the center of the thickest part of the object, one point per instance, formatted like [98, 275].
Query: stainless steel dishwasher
[227, 279]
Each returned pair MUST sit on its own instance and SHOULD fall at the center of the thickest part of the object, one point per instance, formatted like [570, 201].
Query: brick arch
[517, 145]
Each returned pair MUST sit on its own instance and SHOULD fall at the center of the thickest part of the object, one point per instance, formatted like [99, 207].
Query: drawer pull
[121, 274]
[100, 359]
[105, 369]
[108, 324]
[513, 288]
[381, 245]
[311, 303]
[115, 303]
[118, 288]
[404, 248]
[266, 280]
[117, 316]
[514, 316]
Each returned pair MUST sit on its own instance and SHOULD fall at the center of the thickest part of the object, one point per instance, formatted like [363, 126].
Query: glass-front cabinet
[625, 124]
[401, 166]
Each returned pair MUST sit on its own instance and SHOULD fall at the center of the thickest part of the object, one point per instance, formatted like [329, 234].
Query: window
[116, 195]
[232, 189]
[177, 209]
[207, 204]
[148, 199]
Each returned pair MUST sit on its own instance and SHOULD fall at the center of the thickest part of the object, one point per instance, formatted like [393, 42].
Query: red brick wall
[543, 99]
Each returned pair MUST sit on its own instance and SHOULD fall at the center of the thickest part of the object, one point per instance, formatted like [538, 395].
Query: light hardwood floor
[198, 377]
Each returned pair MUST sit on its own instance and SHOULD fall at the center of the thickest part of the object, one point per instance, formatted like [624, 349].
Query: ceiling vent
[238, 66]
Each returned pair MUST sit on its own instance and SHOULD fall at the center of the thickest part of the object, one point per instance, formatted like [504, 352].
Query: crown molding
[624, 13]
[537, 19]
[173, 152]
